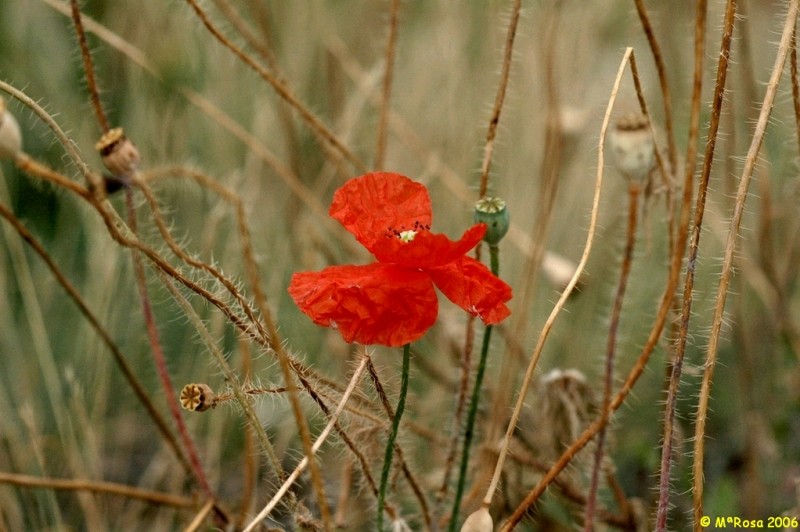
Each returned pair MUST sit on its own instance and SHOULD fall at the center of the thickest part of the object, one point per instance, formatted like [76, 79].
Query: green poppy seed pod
[633, 147]
[493, 212]
[119, 153]
[10, 135]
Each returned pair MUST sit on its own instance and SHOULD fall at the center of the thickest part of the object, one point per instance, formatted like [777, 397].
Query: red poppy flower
[393, 301]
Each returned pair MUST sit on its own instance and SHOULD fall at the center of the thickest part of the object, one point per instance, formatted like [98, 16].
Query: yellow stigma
[407, 236]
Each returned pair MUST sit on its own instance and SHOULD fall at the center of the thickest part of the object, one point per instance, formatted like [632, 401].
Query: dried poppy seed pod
[567, 407]
[10, 135]
[478, 521]
[633, 147]
[119, 154]
[492, 212]
[197, 397]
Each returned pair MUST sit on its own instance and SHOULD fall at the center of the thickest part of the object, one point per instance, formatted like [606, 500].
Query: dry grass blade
[76, 484]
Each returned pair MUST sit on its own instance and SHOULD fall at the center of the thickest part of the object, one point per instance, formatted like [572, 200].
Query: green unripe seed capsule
[493, 212]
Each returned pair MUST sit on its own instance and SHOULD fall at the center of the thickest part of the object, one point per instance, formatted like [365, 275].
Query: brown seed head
[198, 397]
[119, 153]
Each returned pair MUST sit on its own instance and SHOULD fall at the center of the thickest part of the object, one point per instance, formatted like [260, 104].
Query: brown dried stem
[160, 360]
[88, 68]
[534, 358]
[119, 358]
[383, 120]
[317, 444]
[661, 70]
[636, 371]
[281, 88]
[95, 486]
[611, 348]
[508, 55]
[688, 290]
[727, 264]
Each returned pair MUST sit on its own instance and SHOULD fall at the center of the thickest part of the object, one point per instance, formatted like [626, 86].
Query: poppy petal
[372, 304]
[470, 285]
[428, 250]
[375, 206]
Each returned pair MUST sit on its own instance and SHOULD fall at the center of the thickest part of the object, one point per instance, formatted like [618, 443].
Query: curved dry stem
[230, 377]
[317, 444]
[534, 359]
[94, 180]
[160, 361]
[611, 349]
[636, 371]
[270, 335]
[727, 264]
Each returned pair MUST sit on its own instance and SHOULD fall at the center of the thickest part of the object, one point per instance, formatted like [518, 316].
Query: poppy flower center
[405, 234]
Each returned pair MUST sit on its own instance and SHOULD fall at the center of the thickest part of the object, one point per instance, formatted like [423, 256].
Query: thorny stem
[389, 453]
[508, 55]
[611, 347]
[238, 392]
[662, 79]
[88, 68]
[730, 246]
[268, 330]
[160, 360]
[680, 349]
[795, 85]
[383, 121]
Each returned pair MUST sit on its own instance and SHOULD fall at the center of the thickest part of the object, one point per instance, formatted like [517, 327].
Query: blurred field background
[188, 103]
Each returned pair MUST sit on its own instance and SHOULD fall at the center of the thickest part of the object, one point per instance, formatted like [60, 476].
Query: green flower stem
[494, 257]
[387, 460]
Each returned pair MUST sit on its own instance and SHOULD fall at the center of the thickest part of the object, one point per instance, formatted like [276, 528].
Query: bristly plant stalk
[472, 413]
[727, 266]
[160, 360]
[389, 453]
[688, 291]
[634, 189]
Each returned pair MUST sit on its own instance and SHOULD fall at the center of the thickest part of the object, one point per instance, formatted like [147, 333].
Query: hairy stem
[389, 453]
